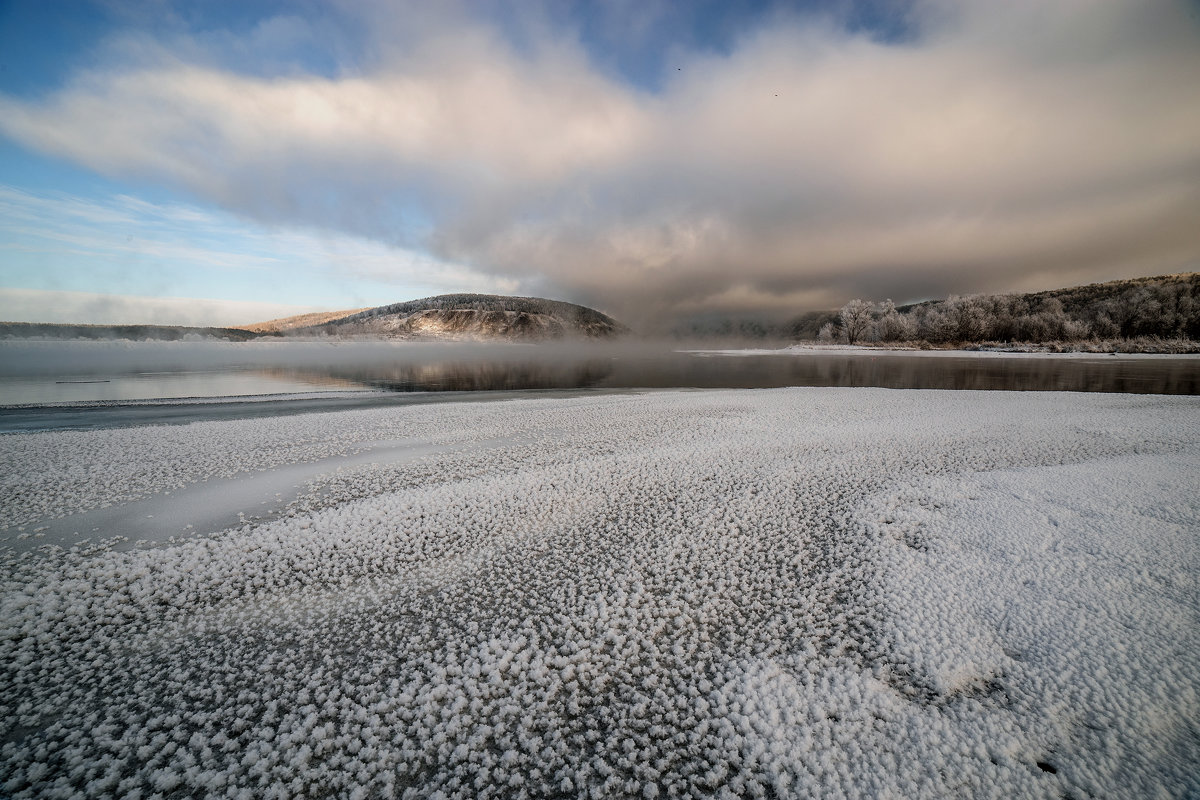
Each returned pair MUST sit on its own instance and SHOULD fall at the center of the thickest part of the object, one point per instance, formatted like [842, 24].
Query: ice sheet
[811, 592]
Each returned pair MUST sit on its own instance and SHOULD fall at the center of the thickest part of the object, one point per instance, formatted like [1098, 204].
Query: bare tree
[855, 317]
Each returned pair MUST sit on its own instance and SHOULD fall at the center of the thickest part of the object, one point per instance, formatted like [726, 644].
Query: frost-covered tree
[938, 325]
[855, 317]
[827, 334]
[892, 326]
[1074, 330]
[1050, 323]
[971, 317]
[1003, 327]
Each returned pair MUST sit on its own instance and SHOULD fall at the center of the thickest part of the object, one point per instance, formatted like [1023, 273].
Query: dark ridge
[165, 333]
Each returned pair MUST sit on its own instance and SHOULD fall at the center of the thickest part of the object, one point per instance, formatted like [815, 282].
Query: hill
[474, 317]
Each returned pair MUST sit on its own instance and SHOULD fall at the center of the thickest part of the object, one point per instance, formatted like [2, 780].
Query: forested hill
[1167, 305]
[1164, 307]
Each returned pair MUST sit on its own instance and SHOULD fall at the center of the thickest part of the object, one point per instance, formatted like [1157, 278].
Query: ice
[798, 592]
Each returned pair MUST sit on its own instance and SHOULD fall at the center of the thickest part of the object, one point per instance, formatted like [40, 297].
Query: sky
[225, 162]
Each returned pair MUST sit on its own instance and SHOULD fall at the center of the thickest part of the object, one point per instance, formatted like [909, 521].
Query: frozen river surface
[793, 592]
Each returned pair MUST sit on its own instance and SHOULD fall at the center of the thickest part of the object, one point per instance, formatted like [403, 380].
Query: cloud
[999, 146]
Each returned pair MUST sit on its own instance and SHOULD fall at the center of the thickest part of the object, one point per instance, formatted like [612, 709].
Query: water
[61, 388]
[699, 370]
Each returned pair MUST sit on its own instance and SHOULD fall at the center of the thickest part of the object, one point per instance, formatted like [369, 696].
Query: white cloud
[1006, 145]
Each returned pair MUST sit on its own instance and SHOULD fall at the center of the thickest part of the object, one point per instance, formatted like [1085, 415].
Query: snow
[805, 592]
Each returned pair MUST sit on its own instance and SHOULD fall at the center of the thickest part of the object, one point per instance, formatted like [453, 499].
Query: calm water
[1142, 375]
[517, 370]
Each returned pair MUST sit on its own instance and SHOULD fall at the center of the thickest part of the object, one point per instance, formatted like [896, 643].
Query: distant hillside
[474, 317]
[169, 333]
[299, 321]
[1163, 307]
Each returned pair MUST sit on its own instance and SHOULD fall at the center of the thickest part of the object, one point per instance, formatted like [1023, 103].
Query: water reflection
[1005, 373]
[687, 370]
[526, 369]
[462, 376]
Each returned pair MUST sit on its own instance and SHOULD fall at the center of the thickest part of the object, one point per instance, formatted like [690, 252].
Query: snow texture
[788, 593]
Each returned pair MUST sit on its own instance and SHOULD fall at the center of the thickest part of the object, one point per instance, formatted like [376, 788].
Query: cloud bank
[997, 146]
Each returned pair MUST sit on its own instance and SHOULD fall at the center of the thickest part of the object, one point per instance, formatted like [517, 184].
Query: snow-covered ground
[797, 592]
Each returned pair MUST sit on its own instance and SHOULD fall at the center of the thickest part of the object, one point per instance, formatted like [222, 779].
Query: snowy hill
[474, 317]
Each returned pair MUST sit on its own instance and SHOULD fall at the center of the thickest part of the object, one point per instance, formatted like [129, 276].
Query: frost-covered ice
[798, 592]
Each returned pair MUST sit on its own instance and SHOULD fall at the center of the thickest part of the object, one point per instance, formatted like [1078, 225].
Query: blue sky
[198, 162]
